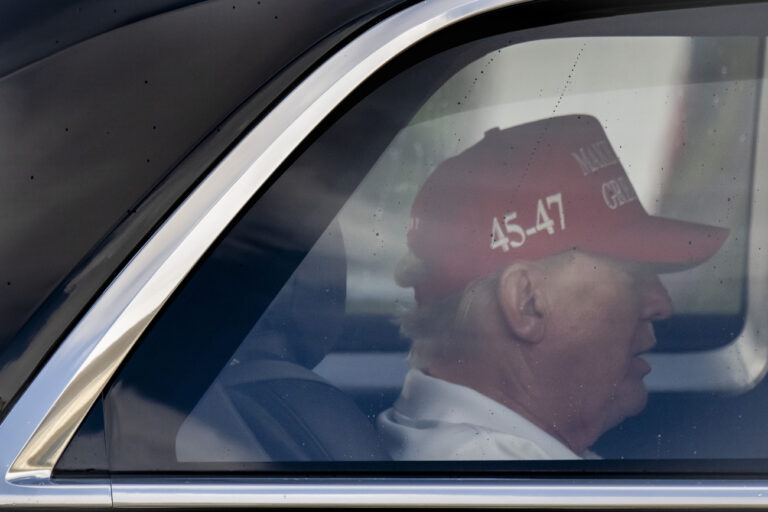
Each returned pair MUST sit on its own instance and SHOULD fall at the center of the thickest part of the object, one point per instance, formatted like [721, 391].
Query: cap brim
[670, 245]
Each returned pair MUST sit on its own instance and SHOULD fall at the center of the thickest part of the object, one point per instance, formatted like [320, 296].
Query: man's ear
[520, 301]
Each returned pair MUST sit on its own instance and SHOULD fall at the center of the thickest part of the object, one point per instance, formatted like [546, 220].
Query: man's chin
[630, 403]
[640, 403]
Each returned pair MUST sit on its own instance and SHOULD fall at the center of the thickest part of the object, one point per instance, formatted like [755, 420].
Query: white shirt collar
[429, 399]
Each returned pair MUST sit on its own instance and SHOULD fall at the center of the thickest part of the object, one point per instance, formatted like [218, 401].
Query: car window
[516, 248]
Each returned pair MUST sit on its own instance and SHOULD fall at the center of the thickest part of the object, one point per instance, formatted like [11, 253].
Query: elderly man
[534, 268]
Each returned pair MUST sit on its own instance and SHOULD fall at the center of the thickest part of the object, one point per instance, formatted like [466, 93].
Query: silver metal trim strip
[446, 493]
[84, 494]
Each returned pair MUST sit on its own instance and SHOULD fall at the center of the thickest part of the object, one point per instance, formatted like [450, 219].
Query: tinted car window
[513, 203]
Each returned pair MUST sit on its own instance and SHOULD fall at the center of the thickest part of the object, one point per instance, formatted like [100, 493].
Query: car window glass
[469, 264]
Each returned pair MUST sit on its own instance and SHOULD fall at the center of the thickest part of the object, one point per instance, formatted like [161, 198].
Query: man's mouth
[647, 343]
[641, 365]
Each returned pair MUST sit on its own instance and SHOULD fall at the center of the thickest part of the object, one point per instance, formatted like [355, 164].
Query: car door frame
[63, 392]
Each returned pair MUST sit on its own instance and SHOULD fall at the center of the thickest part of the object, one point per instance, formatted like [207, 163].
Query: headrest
[304, 321]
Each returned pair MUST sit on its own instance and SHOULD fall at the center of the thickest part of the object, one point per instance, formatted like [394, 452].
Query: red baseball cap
[536, 190]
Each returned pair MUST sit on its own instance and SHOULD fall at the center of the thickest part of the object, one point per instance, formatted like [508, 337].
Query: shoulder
[435, 440]
[477, 443]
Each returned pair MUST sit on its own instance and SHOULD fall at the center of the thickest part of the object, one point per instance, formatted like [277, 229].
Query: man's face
[599, 325]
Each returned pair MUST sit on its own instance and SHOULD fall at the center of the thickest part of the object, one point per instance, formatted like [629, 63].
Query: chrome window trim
[441, 493]
[60, 396]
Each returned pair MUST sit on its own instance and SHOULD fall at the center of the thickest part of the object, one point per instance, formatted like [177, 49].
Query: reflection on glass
[484, 275]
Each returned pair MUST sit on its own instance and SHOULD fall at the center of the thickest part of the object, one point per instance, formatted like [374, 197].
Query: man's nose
[657, 304]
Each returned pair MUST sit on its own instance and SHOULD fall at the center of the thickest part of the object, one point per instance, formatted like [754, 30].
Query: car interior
[284, 345]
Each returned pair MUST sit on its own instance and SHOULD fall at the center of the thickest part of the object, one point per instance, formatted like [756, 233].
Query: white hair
[446, 329]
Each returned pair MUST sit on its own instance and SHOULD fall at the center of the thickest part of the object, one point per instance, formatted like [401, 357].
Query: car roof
[34, 29]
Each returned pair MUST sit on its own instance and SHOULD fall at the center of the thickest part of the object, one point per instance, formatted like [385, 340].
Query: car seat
[267, 404]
